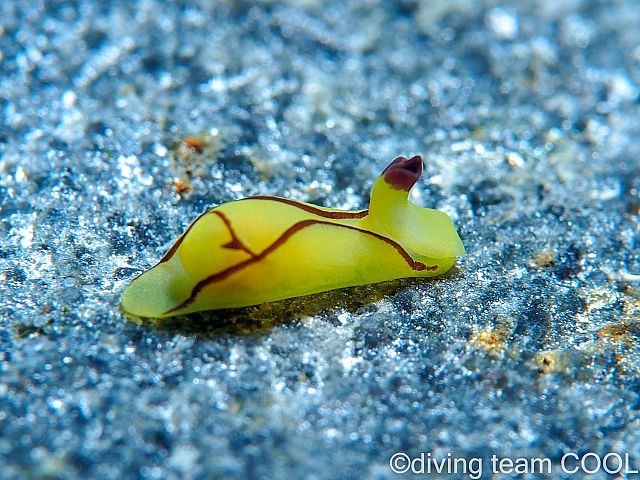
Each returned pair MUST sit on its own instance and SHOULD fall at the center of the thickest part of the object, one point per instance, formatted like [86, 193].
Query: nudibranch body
[264, 249]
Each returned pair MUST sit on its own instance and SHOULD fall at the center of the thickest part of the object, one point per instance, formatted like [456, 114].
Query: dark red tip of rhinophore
[403, 172]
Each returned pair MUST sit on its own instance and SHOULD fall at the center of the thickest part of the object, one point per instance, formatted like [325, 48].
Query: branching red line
[293, 203]
[340, 215]
[217, 277]
[235, 242]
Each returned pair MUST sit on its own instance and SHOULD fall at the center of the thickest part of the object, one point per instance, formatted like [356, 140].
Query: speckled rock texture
[123, 120]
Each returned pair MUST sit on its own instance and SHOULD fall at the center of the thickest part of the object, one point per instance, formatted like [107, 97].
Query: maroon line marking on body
[341, 215]
[415, 265]
[172, 250]
[235, 242]
[293, 203]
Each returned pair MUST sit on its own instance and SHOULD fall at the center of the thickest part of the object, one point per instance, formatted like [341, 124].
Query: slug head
[429, 232]
[403, 173]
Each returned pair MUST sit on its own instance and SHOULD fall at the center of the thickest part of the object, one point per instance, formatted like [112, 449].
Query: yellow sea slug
[264, 249]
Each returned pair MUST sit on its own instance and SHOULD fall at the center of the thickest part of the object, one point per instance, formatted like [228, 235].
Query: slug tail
[157, 290]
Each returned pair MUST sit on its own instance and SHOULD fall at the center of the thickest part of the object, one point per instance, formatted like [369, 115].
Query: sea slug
[263, 249]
